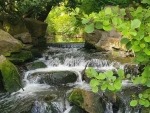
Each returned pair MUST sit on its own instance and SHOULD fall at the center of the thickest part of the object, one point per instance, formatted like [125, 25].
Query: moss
[10, 76]
[20, 57]
[76, 97]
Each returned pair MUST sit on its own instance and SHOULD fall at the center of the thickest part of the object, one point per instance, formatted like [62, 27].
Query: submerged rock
[53, 78]
[36, 65]
[76, 109]
[10, 75]
[87, 100]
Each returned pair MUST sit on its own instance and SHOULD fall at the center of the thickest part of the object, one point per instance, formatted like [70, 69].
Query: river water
[44, 98]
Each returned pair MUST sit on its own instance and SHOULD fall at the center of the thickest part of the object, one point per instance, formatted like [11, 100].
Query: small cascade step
[66, 44]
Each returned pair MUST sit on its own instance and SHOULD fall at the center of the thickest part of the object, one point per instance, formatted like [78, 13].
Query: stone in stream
[87, 100]
[53, 78]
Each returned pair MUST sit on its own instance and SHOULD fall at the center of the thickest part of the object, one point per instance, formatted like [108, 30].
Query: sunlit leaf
[104, 86]
[136, 48]
[89, 28]
[141, 102]
[94, 82]
[101, 76]
[107, 28]
[147, 39]
[135, 23]
[108, 10]
[124, 40]
[95, 89]
[98, 25]
[85, 20]
[133, 103]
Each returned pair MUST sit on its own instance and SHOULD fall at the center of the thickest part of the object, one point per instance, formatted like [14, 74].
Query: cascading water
[45, 98]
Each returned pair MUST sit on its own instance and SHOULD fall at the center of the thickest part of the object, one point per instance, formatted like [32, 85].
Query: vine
[134, 24]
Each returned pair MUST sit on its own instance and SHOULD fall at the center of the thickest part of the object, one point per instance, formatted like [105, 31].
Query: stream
[46, 98]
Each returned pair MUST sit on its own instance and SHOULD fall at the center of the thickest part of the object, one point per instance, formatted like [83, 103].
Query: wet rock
[53, 78]
[8, 44]
[20, 57]
[87, 100]
[76, 109]
[10, 75]
[36, 65]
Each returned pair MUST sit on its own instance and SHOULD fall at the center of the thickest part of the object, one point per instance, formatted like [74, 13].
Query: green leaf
[128, 45]
[89, 28]
[95, 89]
[109, 73]
[91, 72]
[118, 84]
[124, 40]
[85, 20]
[147, 39]
[141, 102]
[146, 104]
[140, 95]
[142, 45]
[133, 33]
[101, 76]
[106, 22]
[128, 75]
[148, 83]
[120, 72]
[135, 23]
[108, 11]
[94, 83]
[125, 33]
[147, 52]
[107, 28]
[145, 1]
[114, 21]
[104, 86]
[111, 87]
[136, 48]
[145, 95]
[133, 103]
[98, 25]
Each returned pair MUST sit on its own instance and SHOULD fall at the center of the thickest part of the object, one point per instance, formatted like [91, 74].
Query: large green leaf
[85, 20]
[147, 52]
[135, 23]
[94, 82]
[101, 76]
[147, 39]
[136, 48]
[124, 40]
[98, 25]
[108, 11]
[133, 103]
[89, 28]
[107, 28]
[95, 89]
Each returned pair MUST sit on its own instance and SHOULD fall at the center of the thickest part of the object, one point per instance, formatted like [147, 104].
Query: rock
[36, 28]
[103, 40]
[8, 44]
[10, 75]
[24, 37]
[36, 65]
[76, 109]
[53, 78]
[20, 57]
[12, 25]
[87, 100]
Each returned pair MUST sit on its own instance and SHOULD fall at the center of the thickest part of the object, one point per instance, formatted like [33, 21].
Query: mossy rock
[36, 65]
[76, 97]
[10, 75]
[20, 57]
[87, 100]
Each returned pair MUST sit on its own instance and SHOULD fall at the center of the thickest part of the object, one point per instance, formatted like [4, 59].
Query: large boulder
[103, 40]
[9, 75]
[89, 101]
[53, 78]
[36, 28]
[8, 44]
[24, 37]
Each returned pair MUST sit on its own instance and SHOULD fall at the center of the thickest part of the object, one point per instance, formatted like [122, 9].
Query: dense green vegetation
[66, 18]
[135, 27]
